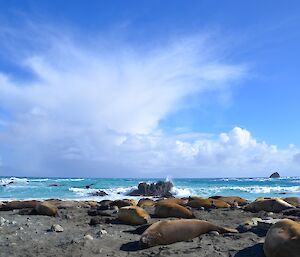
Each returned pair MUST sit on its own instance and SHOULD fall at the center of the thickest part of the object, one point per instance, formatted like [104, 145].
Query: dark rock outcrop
[275, 175]
[161, 189]
[98, 193]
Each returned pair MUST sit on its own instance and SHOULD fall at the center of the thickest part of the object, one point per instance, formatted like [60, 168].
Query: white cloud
[99, 109]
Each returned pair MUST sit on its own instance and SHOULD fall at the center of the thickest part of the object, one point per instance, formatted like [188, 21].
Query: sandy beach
[23, 234]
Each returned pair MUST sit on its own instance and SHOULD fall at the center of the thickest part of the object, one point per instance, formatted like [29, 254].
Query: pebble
[214, 233]
[103, 232]
[88, 237]
[57, 228]
[266, 224]
[2, 221]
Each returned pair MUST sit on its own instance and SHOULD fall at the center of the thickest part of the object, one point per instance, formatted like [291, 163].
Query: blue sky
[150, 88]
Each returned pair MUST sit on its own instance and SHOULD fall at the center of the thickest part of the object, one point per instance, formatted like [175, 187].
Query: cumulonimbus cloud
[103, 106]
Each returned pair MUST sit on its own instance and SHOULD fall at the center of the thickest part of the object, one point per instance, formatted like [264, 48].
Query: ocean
[12, 188]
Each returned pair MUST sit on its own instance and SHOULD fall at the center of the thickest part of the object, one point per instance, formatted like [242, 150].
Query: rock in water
[275, 175]
[161, 188]
[98, 193]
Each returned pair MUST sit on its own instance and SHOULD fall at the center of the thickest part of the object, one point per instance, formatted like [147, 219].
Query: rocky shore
[118, 228]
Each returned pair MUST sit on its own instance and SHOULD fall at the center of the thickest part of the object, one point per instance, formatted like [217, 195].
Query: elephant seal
[172, 231]
[293, 201]
[283, 239]
[133, 215]
[123, 203]
[207, 203]
[232, 200]
[182, 202]
[145, 203]
[14, 205]
[46, 209]
[269, 205]
[165, 210]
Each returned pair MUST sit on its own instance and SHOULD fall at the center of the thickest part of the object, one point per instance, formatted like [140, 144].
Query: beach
[86, 228]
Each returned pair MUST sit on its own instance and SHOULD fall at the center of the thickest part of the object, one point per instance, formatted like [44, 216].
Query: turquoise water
[68, 188]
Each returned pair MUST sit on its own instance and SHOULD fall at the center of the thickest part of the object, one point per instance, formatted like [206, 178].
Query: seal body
[46, 209]
[283, 239]
[269, 205]
[14, 205]
[207, 203]
[145, 203]
[172, 231]
[123, 203]
[232, 200]
[133, 215]
[295, 201]
[165, 210]
[182, 202]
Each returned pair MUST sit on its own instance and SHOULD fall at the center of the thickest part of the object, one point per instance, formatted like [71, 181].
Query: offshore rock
[161, 189]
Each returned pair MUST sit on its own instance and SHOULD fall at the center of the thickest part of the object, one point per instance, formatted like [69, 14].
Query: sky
[149, 88]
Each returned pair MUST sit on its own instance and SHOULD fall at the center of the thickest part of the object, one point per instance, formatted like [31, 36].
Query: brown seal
[133, 215]
[232, 200]
[123, 203]
[293, 201]
[165, 210]
[14, 205]
[171, 231]
[283, 239]
[182, 202]
[207, 203]
[45, 208]
[269, 205]
[146, 202]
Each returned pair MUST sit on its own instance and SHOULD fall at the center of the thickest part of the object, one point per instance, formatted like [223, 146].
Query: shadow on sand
[252, 251]
[131, 247]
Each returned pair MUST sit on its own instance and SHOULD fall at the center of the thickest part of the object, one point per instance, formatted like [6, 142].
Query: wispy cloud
[99, 108]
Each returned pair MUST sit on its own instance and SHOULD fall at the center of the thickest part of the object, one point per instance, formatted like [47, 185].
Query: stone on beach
[56, 228]
[257, 223]
[88, 237]
[102, 232]
[2, 221]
